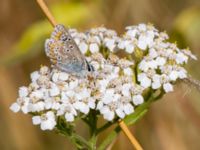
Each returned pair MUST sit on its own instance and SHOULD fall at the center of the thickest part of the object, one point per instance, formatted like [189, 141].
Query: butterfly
[64, 53]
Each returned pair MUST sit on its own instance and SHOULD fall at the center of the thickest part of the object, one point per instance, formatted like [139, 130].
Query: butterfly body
[65, 54]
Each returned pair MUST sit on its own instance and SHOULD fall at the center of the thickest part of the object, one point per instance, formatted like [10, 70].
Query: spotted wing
[64, 52]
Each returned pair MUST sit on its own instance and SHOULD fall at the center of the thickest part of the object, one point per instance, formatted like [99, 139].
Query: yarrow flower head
[126, 68]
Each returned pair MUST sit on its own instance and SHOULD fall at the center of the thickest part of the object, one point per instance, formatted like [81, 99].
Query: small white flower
[73, 84]
[160, 61]
[94, 48]
[122, 44]
[51, 103]
[181, 58]
[54, 91]
[182, 73]
[129, 48]
[168, 87]
[124, 107]
[37, 94]
[142, 42]
[132, 33]
[173, 75]
[144, 65]
[82, 107]
[107, 113]
[120, 113]
[102, 84]
[83, 47]
[36, 107]
[153, 64]
[156, 82]
[46, 121]
[144, 80]
[137, 99]
[126, 89]
[110, 43]
[23, 91]
[142, 27]
[15, 107]
[34, 76]
[21, 104]
[153, 53]
[108, 96]
[128, 71]
[128, 108]
[95, 64]
[44, 70]
[68, 110]
[55, 77]
[63, 76]
[85, 93]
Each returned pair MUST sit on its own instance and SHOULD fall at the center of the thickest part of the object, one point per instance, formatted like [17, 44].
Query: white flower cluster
[162, 61]
[94, 39]
[118, 83]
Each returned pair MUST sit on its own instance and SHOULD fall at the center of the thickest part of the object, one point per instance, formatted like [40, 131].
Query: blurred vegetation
[172, 123]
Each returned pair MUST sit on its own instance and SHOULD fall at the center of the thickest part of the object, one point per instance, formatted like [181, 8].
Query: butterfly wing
[64, 52]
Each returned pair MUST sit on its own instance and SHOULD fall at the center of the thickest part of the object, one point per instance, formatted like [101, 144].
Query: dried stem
[123, 126]
[130, 136]
[46, 11]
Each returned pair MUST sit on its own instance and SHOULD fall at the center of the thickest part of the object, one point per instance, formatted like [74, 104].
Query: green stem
[92, 122]
[77, 140]
[67, 130]
[93, 141]
[106, 125]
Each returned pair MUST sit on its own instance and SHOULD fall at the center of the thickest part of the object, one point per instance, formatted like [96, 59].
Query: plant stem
[93, 129]
[106, 125]
[46, 11]
[77, 140]
[67, 130]
[131, 138]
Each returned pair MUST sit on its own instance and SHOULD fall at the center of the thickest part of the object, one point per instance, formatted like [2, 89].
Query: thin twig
[130, 136]
[123, 126]
[46, 11]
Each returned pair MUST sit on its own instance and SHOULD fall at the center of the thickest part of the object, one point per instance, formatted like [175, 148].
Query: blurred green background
[172, 123]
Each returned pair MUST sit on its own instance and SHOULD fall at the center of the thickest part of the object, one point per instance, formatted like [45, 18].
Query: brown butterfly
[65, 54]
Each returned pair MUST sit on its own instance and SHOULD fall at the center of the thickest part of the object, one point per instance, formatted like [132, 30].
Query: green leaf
[32, 40]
